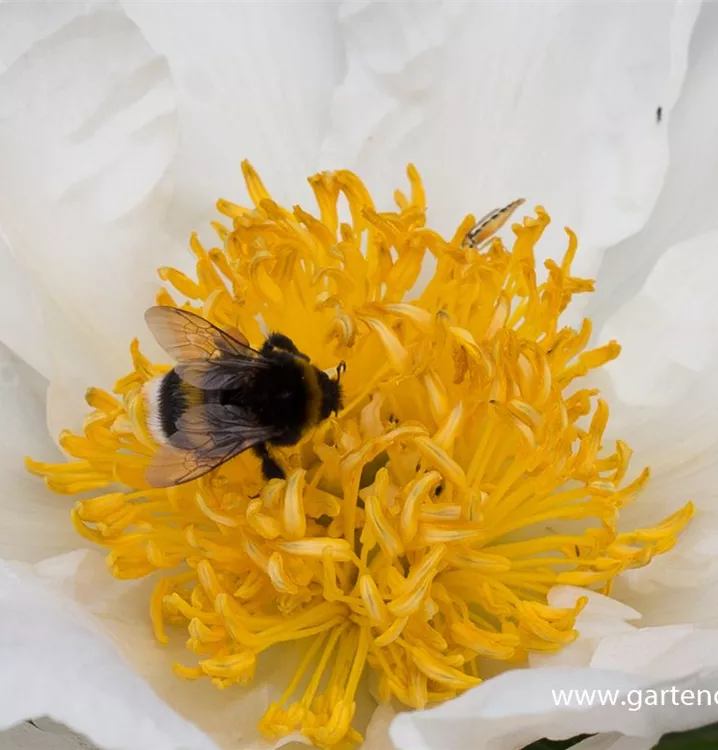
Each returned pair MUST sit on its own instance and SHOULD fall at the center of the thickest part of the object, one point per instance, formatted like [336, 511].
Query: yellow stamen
[420, 530]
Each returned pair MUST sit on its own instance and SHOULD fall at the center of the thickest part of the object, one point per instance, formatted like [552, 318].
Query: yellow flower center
[418, 531]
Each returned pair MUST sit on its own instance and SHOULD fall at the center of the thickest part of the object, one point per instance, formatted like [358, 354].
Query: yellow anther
[278, 576]
[238, 666]
[439, 671]
[266, 526]
[440, 460]
[386, 536]
[438, 397]
[101, 507]
[295, 523]
[339, 549]
[415, 588]
[450, 428]
[417, 491]
[376, 608]
[395, 351]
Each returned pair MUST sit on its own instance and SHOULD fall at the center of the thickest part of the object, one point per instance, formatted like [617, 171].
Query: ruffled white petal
[669, 330]
[35, 522]
[686, 205]
[24, 24]
[521, 706]
[103, 673]
[515, 709]
[58, 663]
[664, 397]
[21, 323]
[254, 81]
[87, 131]
[120, 128]
[554, 102]
[600, 618]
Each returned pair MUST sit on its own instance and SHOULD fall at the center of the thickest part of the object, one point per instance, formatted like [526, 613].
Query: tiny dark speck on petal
[659, 114]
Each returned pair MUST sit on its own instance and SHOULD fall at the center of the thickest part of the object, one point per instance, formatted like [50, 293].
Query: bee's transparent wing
[206, 356]
[207, 436]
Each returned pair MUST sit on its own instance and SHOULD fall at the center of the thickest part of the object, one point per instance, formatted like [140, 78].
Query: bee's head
[331, 392]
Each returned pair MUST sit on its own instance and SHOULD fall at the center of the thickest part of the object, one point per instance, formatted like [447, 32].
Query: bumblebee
[223, 397]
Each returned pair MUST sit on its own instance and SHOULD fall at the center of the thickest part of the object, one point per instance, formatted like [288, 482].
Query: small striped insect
[487, 226]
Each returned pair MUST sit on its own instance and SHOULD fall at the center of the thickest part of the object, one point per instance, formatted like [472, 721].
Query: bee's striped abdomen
[167, 399]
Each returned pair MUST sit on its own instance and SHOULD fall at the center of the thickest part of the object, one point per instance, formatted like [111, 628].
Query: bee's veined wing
[206, 437]
[206, 356]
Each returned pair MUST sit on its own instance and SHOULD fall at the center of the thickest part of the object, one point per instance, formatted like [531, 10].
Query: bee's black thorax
[281, 397]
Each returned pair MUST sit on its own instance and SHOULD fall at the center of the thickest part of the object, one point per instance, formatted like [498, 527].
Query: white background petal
[515, 709]
[686, 205]
[253, 80]
[23, 24]
[21, 322]
[668, 330]
[519, 707]
[87, 131]
[118, 609]
[119, 129]
[663, 393]
[663, 389]
[552, 101]
[35, 522]
[600, 618]
[57, 663]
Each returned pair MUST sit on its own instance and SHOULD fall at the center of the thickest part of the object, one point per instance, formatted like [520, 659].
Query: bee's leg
[281, 342]
[270, 468]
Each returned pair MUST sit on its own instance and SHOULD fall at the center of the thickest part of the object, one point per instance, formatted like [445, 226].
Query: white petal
[87, 132]
[57, 663]
[662, 652]
[253, 80]
[519, 707]
[599, 606]
[669, 330]
[119, 608]
[89, 141]
[664, 398]
[554, 102]
[21, 327]
[24, 24]
[686, 204]
[515, 709]
[601, 617]
[35, 522]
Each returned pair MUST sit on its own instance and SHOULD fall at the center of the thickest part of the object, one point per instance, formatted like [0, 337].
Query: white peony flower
[120, 125]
